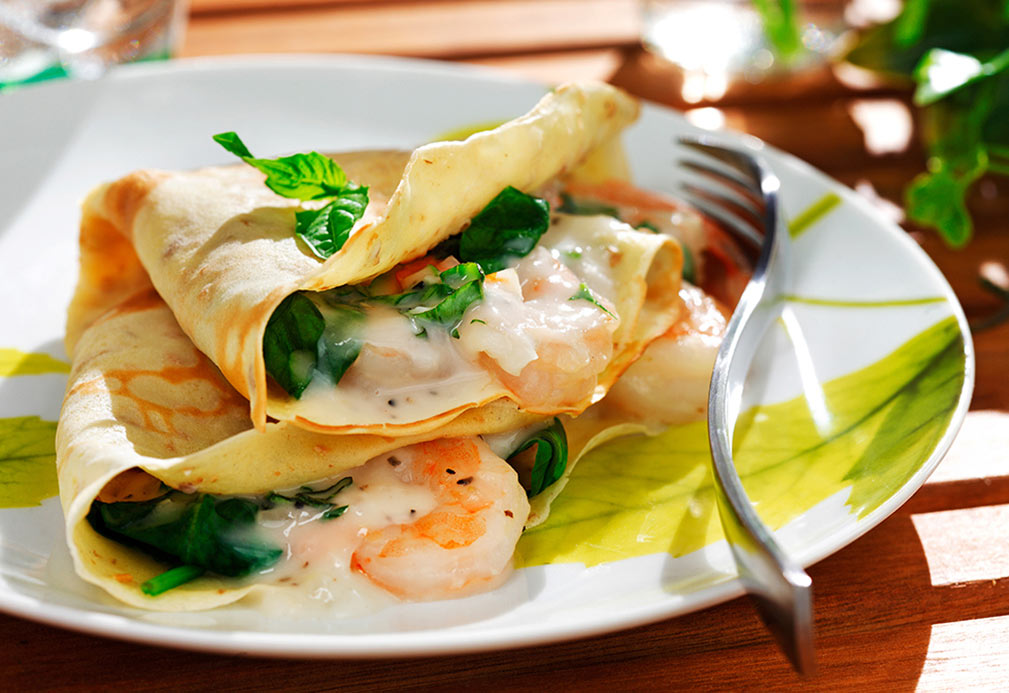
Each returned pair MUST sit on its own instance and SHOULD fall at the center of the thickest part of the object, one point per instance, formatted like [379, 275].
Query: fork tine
[742, 163]
[709, 203]
[747, 191]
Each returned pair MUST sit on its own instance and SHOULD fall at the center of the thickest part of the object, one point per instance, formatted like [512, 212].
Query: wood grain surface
[920, 602]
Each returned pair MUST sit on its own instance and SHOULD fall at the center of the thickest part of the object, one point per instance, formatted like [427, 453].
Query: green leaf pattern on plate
[639, 496]
[27, 461]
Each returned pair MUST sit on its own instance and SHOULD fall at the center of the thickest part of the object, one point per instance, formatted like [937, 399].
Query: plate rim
[449, 640]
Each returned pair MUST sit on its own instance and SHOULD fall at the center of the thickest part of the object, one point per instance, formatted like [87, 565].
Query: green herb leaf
[290, 343]
[170, 579]
[584, 293]
[309, 176]
[195, 529]
[321, 498]
[326, 230]
[942, 72]
[507, 228]
[449, 312]
[551, 456]
[341, 341]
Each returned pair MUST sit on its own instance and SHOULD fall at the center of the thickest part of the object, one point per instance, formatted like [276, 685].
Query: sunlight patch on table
[966, 655]
[965, 545]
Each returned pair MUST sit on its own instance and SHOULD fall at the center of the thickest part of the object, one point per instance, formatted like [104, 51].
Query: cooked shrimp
[464, 541]
[669, 383]
[543, 346]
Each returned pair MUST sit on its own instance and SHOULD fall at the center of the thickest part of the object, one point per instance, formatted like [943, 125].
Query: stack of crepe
[181, 271]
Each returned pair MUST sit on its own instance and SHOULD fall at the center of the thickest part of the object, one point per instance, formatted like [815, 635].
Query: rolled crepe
[220, 248]
[145, 407]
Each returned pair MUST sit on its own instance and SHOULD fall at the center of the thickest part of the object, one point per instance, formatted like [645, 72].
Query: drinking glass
[41, 39]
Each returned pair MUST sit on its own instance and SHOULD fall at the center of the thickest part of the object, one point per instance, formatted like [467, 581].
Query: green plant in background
[956, 52]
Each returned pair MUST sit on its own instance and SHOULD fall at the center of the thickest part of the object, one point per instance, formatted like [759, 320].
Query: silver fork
[738, 190]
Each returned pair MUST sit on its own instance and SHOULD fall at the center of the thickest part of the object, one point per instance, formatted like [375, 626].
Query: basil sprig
[551, 456]
[509, 227]
[200, 531]
[310, 176]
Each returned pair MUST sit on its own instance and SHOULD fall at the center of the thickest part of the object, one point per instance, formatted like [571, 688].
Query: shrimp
[669, 383]
[546, 348]
[463, 541]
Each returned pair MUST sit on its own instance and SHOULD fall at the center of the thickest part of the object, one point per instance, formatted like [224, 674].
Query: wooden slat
[432, 29]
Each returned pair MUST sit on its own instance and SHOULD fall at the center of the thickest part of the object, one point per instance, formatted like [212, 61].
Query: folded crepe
[145, 409]
[181, 272]
[220, 248]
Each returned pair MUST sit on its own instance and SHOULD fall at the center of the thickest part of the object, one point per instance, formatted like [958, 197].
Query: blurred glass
[718, 42]
[42, 39]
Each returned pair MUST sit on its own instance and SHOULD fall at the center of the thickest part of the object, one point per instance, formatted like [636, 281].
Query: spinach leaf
[290, 343]
[551, 456]
[321, 498]
[341, 341]
[195, 529]
[310, 176]
[507, 228]
[584, 293]
[443, 302]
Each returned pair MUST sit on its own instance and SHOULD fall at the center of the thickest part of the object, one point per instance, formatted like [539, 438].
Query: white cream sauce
[525, 330]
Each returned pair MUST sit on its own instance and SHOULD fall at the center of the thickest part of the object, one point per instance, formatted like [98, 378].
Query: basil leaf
[507, 228]
[290, 343]
[196, 529]
[584, 293]
[551, 456]
[341, 342]
[326, 230]
[309, 176]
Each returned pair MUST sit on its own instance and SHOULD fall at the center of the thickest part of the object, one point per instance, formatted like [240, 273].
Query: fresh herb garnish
[507, 228]
[551, 456]
[648, 225]
[310, 176]
[954, 51]
[584, 293]
[200, 531]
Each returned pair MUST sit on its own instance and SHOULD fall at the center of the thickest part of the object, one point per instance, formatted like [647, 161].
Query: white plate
[862, 290]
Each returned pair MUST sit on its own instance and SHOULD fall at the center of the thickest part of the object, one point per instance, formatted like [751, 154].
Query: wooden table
[921, 601]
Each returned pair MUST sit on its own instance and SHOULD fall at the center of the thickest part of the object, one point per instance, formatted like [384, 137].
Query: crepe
[180, 273]
[219, 247]
[142, 397]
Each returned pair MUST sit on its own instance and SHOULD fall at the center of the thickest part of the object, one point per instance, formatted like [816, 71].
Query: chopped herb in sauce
[584, 293]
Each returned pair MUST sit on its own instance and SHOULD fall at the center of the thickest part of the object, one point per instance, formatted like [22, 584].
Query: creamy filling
[542, 332]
